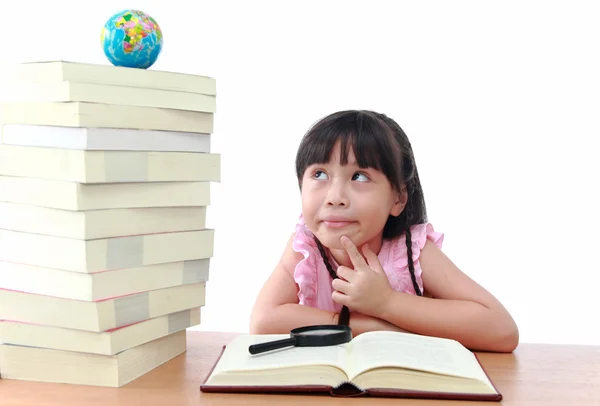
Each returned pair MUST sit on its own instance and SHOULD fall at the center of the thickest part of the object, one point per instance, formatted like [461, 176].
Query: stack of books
[105, 179]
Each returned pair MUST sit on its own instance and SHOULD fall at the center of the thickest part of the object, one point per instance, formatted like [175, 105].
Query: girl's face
[347, 200]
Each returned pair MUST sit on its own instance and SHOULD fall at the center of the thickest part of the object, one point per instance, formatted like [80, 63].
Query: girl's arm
[460, 308]
[277, 311]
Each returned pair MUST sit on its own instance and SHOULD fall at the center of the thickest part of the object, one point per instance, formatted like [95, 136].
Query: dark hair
[377, 142]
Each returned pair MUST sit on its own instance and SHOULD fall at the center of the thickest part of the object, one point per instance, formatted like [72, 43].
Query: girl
[363, 253]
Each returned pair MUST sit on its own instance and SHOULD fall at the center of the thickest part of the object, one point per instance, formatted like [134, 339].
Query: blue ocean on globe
[132, 39]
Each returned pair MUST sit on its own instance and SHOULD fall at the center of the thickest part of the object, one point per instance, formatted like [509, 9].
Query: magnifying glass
[310, 336]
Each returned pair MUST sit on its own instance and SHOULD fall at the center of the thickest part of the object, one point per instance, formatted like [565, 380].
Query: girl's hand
[366, 287]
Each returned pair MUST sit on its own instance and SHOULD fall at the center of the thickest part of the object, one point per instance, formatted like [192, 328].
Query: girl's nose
[337, 195]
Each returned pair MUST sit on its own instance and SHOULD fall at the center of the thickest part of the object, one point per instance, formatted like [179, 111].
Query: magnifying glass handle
[271, 345]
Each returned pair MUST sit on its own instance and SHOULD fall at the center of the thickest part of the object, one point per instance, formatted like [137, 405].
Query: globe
[132, 39]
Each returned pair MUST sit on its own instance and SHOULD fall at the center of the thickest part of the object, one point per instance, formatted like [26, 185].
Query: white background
[501, 101]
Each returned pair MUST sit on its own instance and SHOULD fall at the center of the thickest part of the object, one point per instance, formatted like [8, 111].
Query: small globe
[132, 39]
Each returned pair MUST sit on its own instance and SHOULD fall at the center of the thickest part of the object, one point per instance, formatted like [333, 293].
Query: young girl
[363, 253]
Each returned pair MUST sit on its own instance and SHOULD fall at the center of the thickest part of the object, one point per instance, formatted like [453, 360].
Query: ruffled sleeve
[420, 233]
[396, 267]
[305, 273]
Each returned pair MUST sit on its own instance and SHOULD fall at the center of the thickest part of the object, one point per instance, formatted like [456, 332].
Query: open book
[382, 363]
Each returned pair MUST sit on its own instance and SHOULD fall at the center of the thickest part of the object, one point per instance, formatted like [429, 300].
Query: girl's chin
[334, 245]
[332, 241]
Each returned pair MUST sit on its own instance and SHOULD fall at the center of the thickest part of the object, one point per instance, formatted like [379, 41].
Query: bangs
[369, 138]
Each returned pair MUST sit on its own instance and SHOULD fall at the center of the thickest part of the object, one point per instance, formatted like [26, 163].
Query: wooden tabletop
[535, 374]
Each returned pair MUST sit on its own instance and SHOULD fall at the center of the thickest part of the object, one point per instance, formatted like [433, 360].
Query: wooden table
[535, 374]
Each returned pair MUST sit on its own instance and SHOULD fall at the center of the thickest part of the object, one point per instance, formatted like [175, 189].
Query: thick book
[108, 166]
[49, 72]
[103, 284]
[109, 342]
[96, 224]
[105, 254]
[377, 364]
[79, 114]
[66, 195]
[102, 315]
[31, 91]
[104, 139]
[77, 368]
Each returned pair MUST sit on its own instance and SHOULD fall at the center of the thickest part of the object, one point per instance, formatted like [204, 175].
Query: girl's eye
[320, 175]
[361, 177]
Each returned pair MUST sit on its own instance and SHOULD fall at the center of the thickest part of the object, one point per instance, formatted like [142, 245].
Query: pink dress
[314, 281]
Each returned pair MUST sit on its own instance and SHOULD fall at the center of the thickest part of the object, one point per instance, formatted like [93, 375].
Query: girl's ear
[400, 202]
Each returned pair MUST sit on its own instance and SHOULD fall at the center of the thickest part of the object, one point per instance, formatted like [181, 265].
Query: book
[108, 166]
[100, 315]
[378, 364]
[109, 342]
[101, 285]
[104, 139]
[56, 366]
[105, 254]
[20, 91]
[68, 71]
[66, 195]
[96, 224]
[78, 114]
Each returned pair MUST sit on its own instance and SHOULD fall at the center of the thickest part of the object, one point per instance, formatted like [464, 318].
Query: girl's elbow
[260, 322]
[256, 325]
[259, 328]
[511, 341]
[507, 339]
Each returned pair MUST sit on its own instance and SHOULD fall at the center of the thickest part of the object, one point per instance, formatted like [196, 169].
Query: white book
[19, 91]
[104, 139]
[108, 342]
[76, 368]
[59, 71]
[105, 254]
[99, 316]
[65, 195]
[100, 285]
[77, 114]
[94, 224]
[108, 166]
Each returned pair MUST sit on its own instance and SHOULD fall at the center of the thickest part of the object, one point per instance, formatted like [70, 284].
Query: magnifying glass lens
[317, 332]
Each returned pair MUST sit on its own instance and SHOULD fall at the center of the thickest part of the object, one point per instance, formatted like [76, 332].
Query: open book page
[237, 358]
[390, 349]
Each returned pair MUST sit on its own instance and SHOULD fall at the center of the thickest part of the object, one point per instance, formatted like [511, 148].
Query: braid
[411, 265]
[345, 312]
[324, 256]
